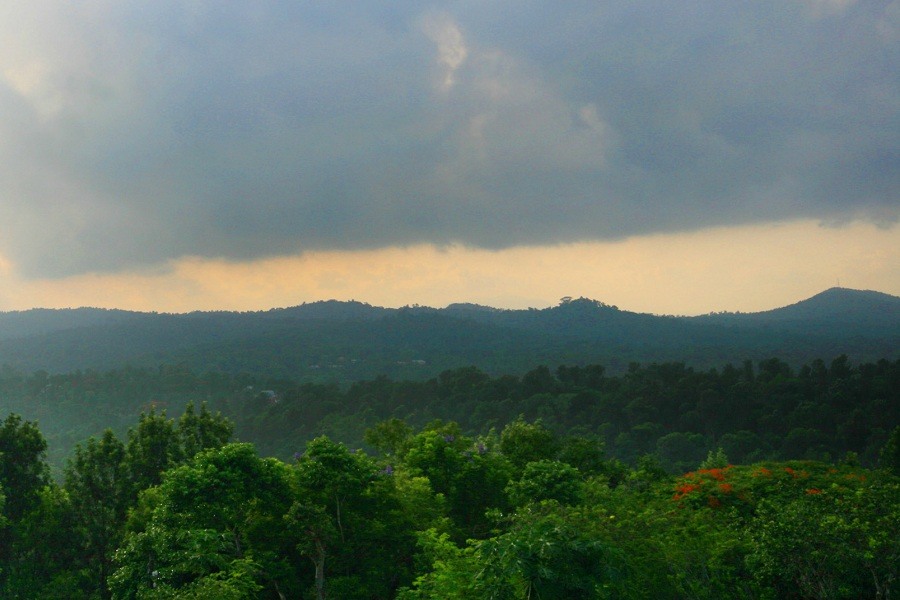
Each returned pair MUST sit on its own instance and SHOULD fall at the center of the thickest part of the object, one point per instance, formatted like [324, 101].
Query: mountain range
[348, 341]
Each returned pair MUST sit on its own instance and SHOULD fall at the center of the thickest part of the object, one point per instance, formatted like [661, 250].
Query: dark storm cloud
[138, 132]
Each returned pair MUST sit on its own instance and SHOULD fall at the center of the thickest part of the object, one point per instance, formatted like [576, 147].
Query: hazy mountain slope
[29, 323]
[847, 303]
[352, 340]
[844, 310]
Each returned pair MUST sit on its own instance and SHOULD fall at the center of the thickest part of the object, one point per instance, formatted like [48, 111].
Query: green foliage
[471, 475]
[418, 502]
[153, 447]
[99, 489]
[646, 474]
[347, 507]
[546, 556]
[585, 453]
[158, 444]
[544, 553]
[889, 458]
[218, 517]
[23, 481]
[546, 480]
[236, 583]
[522, 442]
[198, 432]
[23, 472]
[389, 437]
[815, 412]
[44, 556]
[715, 459]
[839, 542]
[448, 572]
[680, 451]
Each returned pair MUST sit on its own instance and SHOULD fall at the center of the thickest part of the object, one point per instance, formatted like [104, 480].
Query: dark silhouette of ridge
[354, 340]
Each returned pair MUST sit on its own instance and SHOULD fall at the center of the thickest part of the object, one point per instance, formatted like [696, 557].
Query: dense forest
[749, 481]
[175, 510]
[766, 411]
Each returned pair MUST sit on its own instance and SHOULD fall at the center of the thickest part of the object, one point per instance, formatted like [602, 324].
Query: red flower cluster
[685, 489]
[796, 474]
[717, 474]
[699, 479]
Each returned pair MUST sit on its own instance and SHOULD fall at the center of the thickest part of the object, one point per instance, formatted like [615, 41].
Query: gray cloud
[140, 132]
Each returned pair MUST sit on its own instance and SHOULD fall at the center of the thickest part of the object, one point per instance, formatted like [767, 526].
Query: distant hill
[38, 321]
[842, 307]
[348, 341]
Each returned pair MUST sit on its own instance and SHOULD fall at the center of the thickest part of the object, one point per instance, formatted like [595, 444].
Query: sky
[674, 158]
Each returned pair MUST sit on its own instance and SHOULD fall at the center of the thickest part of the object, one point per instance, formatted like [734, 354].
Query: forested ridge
[352, 341]
[743, 481]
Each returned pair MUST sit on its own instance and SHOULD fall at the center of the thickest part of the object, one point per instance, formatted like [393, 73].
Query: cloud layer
[133, 133]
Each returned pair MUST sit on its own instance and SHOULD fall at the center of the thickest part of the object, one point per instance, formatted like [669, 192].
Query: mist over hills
[347, 341]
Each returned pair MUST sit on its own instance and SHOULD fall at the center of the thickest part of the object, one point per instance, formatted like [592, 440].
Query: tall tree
[99, 489]
[23, 470]
[470, 474]
[349, 522]
[36, 535]
[197, 432]
[23, 474]
[153, 447]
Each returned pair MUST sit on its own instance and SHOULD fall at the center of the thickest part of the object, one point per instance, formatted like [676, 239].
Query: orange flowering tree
[831, 541]
[743, 487]
[813, 529]
[714, 488]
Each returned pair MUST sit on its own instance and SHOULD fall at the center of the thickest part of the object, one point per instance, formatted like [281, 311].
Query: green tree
[546, 552]
[586, 453]
[471, 475]
[680, 452]
[332, 481]
[522, 442]
[547, 480]
[347, 520]
[153, 447]
[23, 476]
[23, 470]
[647, 473]
[45, 561]
[834, 543]
[99, 489]
[217, 522]
[449, 570]
[715, 459]
[889, 458]
[390, 437]
[198, 432]
[315, 533]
